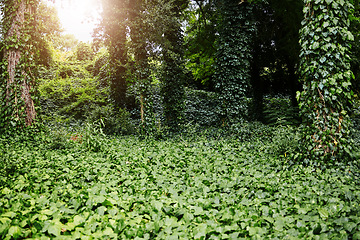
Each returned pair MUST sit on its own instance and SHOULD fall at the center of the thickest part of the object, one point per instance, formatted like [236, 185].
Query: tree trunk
[173, 90]
[326, 77]
[13, 56]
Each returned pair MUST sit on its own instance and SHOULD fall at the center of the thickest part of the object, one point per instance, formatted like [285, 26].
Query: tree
[326, 76]
[17, 82]
[173, 66]
[234, 54]
[354, 17]
[113, 30]
[140, 72]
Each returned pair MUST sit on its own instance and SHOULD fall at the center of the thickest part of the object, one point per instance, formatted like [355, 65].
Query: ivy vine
[172, 72]
[326, 75]
[18, 54]
[232, 68]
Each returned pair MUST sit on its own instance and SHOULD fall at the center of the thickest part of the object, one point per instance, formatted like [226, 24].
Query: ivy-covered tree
[18, 53]
[355, 47]
[142, 35]
[326, 76]
[113, 30]
[234, 54]
[173, 65]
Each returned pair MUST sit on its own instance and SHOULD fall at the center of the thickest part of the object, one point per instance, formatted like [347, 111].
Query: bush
[285, 141]
[115, 122]
[84, 52]
[71, 97]
[72, 70]
[202, 108]
[248, 131]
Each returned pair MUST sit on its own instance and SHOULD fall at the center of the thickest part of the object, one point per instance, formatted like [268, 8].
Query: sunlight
[79, 17]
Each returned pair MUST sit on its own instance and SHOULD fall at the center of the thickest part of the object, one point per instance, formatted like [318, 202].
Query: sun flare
[79, 17]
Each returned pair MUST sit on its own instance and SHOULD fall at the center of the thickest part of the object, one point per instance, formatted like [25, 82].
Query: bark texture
[16, 83]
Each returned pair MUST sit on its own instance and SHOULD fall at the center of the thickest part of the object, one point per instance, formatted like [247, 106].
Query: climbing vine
[173, 66]
[18, 54]
[326, 75]
[232, 69]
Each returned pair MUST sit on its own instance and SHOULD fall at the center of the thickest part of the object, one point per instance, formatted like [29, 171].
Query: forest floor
[181, 188]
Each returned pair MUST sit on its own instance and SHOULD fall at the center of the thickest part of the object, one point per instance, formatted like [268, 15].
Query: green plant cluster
[203, 188]
[202, 108]
[326, 75]
[75, 90]
[71, 97]
[232, 69]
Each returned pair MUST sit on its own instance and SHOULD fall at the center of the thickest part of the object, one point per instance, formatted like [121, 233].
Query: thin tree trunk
[142, 107]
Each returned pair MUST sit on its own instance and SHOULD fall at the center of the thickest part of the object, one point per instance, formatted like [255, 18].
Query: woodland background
[201, 119]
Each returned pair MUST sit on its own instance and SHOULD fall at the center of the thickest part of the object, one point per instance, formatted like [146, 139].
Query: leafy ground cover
[203, 188]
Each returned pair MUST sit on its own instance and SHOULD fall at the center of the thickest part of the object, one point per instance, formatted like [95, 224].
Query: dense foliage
[233, 58]
[180, 121]
[206, 187]
[326, 74]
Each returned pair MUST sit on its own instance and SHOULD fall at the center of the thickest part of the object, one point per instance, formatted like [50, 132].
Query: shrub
[71, 97]
[72, 70]
[114, 122]
[248, 131]
[202, 108]
[84, 52]
[285, 141]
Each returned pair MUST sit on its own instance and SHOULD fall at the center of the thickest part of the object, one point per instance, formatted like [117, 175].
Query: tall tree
[113, 29]
[355, 48]
[17, 83]
[173, 66]
[234, 55]
[140, 38]
[326, 77]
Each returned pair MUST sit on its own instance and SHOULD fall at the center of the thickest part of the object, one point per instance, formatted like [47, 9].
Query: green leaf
[350, 36]
[14, 231]
[315, 45]
[9, 214]
[324, 214]
[279, 224]
[5, 191]
[78, 220]
[158, 205]
[329, 1]
[55, 229]
[350, 226]
[46, 212]
[200, 231]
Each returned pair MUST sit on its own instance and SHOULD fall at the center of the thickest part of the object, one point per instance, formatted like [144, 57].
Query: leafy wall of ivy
[326, 75]
[232, 69]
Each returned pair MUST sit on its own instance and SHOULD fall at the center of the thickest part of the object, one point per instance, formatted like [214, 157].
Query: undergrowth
[218, 185]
